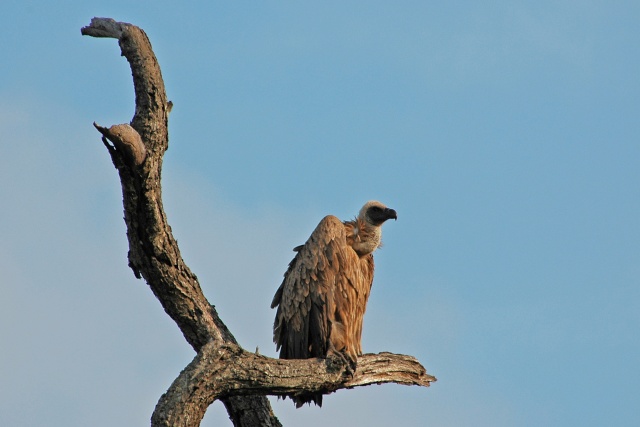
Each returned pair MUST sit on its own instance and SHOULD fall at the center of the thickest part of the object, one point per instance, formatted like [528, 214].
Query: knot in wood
[127, 142]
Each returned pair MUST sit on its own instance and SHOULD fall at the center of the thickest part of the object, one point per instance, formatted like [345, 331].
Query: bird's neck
[363, 237]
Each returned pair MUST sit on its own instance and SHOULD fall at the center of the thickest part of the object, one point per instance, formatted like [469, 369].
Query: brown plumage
[323, 297]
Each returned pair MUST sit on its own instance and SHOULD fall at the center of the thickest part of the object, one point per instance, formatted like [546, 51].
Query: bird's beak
[390, 213]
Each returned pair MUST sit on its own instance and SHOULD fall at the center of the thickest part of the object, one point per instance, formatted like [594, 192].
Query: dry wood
[153, 251]
[228, 370]
[221, 370]
[126, 140]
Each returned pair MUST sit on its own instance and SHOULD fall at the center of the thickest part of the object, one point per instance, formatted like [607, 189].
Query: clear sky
[506, 134]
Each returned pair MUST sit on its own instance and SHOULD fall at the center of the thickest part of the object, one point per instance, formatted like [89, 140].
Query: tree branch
[153, 251]
[219, 371]
[126, 140]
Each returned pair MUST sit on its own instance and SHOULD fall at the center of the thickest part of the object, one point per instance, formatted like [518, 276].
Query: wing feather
[322, 298]
[302, 324]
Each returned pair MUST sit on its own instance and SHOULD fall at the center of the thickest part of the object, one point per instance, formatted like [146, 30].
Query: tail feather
[307, 398]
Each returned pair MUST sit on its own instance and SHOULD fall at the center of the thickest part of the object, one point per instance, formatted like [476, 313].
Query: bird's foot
[339, 359]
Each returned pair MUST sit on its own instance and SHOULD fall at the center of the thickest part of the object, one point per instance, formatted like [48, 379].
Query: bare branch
[153, 251]
[228, 370]
[221, 369]
[389, 368]
[103, 27]
[127, 141]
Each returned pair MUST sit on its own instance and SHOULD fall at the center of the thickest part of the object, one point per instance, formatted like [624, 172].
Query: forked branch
[221, 370]
[153, 251]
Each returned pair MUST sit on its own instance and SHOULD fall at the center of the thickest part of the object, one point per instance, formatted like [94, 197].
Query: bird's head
[375, 213]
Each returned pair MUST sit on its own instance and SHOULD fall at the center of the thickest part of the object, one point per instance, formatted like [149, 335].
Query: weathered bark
[228, 370]
[221, 370]
[153, 251]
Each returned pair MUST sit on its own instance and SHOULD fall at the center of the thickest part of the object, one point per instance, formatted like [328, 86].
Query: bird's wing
[305, 300]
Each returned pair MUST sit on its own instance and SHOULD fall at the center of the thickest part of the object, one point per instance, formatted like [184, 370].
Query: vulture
[323, 297]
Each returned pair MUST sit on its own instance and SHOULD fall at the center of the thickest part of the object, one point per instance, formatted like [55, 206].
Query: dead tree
[221, 370]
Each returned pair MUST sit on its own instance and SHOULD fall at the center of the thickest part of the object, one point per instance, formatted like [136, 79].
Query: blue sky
[506, 135]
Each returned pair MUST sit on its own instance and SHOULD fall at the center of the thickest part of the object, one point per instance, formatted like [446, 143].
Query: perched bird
[323, 297]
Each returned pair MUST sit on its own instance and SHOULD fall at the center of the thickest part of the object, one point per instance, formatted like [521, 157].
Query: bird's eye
[376, 209]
